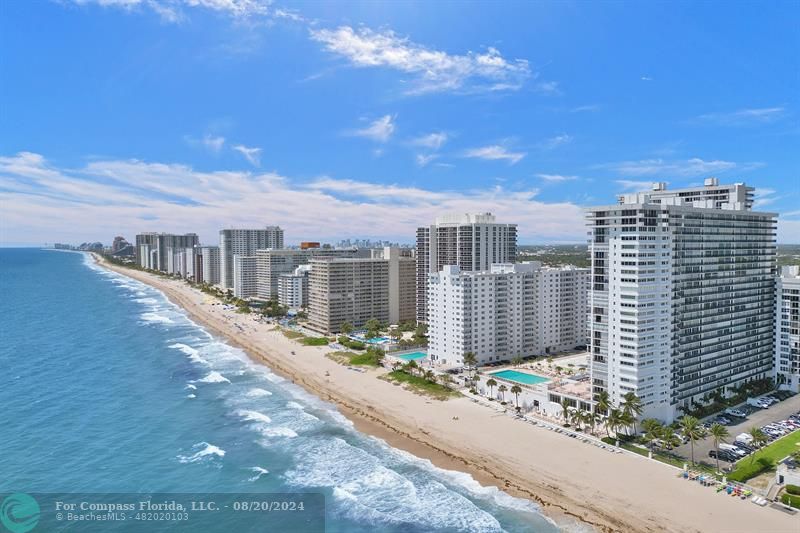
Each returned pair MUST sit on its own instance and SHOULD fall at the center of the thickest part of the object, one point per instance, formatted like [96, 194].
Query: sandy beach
[572, 481]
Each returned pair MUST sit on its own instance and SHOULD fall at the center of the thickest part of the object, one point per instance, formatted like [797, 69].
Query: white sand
[614, 492]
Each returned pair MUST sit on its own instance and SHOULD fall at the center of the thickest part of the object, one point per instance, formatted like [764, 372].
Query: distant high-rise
[787, 329]
[210, 264]
[470, 241]
[244, 242]
[151, 248]
[244, 276]
[682, 295]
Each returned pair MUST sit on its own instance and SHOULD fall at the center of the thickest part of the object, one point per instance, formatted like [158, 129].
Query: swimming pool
[412, 356]
[378, 340]
[520, 377]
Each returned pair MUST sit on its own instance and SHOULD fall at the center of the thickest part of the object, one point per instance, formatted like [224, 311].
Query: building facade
[272, 264]
[293, 288]
[210, 259]
[510, 310]
[244, 276]
[244, 242]
[682, 296]
[347, 290]
[151, 248]
[787, 329]
[473, 242]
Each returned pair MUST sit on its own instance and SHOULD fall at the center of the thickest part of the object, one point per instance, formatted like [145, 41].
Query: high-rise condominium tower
[151, 248]
[469, 241]
[244, 242]
[682, 295]
[787, 328]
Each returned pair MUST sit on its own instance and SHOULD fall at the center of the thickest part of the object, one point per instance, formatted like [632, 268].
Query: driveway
[759, 418]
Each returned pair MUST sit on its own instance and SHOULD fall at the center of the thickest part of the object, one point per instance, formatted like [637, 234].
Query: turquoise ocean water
[105, 386]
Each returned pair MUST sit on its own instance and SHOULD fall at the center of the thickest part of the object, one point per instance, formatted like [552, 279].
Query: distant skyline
[367, 119]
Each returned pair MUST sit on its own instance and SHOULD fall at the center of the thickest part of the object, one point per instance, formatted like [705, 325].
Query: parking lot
[758, 418]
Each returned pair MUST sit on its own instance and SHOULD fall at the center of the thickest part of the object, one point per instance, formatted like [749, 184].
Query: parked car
[735, 412]
[723, 455]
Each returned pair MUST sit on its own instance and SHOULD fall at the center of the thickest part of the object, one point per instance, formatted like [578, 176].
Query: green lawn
[421, 385]
[315, 341]
[766, 458]
[356, 359]
[290, 334]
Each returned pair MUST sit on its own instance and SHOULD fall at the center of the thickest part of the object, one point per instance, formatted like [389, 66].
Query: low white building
[293, 288]
[511, 310]
[787, 329]
[244, 276]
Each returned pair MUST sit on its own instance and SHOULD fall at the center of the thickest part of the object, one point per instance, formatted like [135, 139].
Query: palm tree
[410, 367]
[719, 433]
[613, 421]
[603, 402]
[516, 361]
[627, 420]
[692, 430]
[652, 430]
[759, 439]
[396, 365]
[671, 440]
[491, 383]
[430, 376]
[632, 406]
[502, 389]
[470, 360]
[565, 405]
[346, 328]
[594, 418]
[515, 390]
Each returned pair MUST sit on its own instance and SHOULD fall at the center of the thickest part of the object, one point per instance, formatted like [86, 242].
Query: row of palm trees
[515, 390]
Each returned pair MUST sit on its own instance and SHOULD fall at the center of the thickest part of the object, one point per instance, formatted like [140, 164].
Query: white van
[733, 449]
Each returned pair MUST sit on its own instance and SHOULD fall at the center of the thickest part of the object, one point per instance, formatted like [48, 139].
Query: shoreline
[570, 481]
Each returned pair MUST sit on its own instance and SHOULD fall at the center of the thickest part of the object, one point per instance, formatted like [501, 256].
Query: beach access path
[570, 479]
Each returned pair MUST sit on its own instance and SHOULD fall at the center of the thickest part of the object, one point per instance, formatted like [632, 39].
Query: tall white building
[244, 242]
[787, 328]
[509, 310]
[244, 276]
[210, 260]
[473, 242]
[682, 295]
[293, 288]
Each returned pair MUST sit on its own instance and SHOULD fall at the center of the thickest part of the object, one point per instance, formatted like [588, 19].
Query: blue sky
[365, 119]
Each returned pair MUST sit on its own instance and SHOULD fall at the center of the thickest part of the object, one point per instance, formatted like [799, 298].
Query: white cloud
[44, 203]
[495, 152]
[172, 10]
[547, 87]
[764, 197]
[214, 144]
[253, 155]
[683, 168]
[380, 130]
[556, 177]
[433, 70]
[585, 108]
[554, 142]
[635, 185]
[433, 140]
[646, 78]
[424, 159]
[744, 116]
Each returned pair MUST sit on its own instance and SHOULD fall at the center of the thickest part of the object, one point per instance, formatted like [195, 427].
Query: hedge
[791, 501]
[793, 489]
[748, 468]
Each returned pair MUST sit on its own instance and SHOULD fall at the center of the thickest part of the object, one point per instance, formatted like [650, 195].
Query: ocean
[108, 387]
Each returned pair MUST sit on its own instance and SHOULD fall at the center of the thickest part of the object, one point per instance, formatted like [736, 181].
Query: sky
[369, 119]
